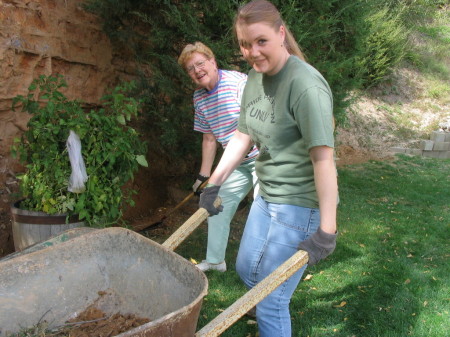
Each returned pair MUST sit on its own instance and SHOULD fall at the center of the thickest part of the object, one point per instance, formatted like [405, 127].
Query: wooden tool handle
[188, 227]
[255, 295]
[146, 226]
[203, 184]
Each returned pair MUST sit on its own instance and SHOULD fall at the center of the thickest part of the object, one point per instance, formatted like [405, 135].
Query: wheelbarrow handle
[188, 227]
[255, 295]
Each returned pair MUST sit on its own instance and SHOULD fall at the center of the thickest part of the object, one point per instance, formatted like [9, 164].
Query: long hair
[263, 11]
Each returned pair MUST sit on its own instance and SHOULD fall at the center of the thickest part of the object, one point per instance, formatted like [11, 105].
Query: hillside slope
[406, 108]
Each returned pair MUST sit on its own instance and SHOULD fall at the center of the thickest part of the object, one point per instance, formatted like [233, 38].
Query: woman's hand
[319, 246]
[207, 199]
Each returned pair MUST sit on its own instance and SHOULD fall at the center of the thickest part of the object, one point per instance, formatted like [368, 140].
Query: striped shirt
[217, 111]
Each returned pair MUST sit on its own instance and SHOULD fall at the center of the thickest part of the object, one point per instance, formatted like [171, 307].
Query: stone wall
[438, 146]
[49, 37]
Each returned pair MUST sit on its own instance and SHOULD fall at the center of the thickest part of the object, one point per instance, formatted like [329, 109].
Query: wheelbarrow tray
[135, 275]
[57, 279]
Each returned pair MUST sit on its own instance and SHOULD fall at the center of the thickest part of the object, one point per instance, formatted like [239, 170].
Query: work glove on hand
[207, 199]
[200, 179]
[319, 246]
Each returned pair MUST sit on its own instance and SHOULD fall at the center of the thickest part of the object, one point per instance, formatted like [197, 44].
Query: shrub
[112, 152]
[383, 45]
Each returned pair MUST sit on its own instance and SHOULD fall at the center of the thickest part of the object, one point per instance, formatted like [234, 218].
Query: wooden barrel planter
[30, 227]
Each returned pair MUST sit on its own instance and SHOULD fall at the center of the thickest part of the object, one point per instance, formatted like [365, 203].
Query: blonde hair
[190, 49]
[258, 11]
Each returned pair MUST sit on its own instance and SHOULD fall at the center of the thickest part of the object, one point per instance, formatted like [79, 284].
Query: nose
[253, 51]
[250, 51]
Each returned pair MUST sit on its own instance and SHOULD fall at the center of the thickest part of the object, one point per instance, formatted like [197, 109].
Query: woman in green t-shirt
[287, 111]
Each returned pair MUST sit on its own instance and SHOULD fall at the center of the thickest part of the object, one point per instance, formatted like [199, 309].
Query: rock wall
[49, 37]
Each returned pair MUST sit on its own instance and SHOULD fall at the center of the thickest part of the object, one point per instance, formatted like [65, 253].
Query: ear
[282, 32]
[213, 61]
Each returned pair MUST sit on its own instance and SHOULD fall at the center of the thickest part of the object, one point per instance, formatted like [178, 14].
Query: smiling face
[203, 71]
[263, 47]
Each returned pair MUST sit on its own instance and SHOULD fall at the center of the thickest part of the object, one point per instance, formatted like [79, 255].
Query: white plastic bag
[78, 176]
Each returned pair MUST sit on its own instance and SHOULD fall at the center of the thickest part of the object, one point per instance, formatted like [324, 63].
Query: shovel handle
[188, 227]
[255, 295]
[203, 184]
[145, 226]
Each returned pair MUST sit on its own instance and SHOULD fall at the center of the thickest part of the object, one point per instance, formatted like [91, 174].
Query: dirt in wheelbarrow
[93, 322]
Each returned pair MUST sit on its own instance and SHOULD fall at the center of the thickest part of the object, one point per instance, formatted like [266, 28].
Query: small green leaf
[121, 119]
[142, 161]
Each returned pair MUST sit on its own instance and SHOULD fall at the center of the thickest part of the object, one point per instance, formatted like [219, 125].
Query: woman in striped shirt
[217, 107]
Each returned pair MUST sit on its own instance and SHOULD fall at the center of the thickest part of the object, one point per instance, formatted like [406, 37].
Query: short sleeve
[314, 115]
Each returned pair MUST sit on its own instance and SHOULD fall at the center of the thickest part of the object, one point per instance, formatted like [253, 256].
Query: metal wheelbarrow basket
[57, 279]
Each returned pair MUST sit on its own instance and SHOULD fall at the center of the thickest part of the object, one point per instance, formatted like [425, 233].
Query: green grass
[389, 273]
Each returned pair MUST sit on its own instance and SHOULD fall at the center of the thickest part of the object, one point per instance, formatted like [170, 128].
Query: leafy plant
[384, 47]
[112, 151]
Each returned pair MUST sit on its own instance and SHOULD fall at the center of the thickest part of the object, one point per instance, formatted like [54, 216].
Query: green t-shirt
[286, 115]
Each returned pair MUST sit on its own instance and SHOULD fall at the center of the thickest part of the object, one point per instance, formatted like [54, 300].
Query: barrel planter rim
[40, 218]
[30, 227]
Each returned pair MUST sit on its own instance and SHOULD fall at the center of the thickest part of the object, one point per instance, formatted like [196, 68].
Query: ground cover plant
[388, 275]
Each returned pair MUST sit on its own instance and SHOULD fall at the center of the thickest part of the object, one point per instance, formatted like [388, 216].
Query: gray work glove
[200, 179]
[207, 199]
[319, 246]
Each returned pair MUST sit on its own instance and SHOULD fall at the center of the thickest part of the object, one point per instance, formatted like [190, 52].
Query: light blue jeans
[272, 235]
[232, 191]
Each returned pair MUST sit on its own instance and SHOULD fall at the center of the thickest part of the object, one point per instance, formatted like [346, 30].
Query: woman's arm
[323, 242]
[209, 149]
[237, 148]
[326, 186]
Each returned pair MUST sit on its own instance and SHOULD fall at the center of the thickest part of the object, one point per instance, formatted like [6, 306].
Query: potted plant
[111, 152]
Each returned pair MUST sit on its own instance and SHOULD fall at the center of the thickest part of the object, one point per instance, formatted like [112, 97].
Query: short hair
[190, 49]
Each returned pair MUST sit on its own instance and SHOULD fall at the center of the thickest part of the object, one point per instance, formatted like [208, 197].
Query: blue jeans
[232, 191]
[271, 235]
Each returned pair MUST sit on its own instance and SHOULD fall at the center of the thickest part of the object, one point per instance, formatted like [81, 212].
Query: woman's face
[203, 71]
[262, 47]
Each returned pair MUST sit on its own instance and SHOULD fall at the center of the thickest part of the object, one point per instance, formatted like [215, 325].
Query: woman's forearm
[237, 148]
[209, 149]
[326, 186]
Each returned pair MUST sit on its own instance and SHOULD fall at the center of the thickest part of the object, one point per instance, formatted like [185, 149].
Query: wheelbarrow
[57, 279]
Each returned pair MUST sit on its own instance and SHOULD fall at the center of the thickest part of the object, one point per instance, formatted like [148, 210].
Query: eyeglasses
[199, 64]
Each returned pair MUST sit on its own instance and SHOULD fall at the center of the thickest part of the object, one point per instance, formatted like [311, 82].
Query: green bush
[112, 152]
[382, 47]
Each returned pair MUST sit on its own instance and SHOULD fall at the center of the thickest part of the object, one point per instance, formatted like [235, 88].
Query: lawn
[389, 273]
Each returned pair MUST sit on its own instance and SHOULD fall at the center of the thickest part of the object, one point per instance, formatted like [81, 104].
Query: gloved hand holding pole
[319, 246]
[200, 179]
[207, 199]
